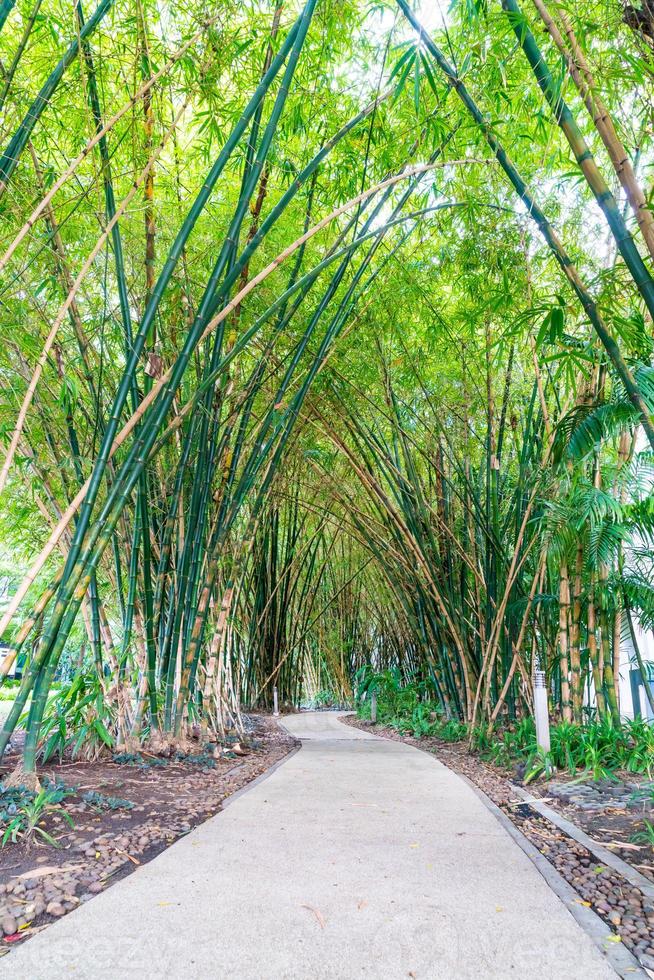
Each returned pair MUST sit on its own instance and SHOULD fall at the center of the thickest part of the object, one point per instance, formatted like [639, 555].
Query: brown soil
[39, 882]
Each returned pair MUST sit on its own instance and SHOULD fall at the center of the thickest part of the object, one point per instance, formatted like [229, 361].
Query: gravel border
[30, 902]
[605, 855]
[620, 958]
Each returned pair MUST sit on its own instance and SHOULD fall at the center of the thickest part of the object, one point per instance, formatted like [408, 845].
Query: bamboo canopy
[326, 348]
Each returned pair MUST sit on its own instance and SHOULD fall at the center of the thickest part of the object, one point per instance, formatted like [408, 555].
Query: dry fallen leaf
[132, 859]
[317, 913]
[48, 870]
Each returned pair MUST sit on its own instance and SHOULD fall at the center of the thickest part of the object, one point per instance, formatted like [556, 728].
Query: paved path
[356, 858]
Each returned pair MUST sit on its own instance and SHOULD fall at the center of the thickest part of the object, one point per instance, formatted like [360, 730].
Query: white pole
[275, 703]
[373, 708]
[541, 713]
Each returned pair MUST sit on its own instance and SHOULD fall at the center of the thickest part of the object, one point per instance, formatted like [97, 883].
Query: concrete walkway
[357, 857]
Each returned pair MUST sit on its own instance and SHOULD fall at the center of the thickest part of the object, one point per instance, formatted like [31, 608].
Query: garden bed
[625, 908]
[123, 814]
[615, 813]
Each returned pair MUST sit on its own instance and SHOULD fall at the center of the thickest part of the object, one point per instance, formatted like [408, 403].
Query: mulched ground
[39, 883]
[628, 913]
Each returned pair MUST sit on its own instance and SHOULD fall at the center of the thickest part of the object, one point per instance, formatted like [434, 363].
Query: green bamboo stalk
[582, 153]
[11, 156]
[544, 226]
[6, 8]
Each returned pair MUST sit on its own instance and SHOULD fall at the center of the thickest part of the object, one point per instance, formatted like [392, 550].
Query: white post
[373, 708]
[275, 703]
[541, 714]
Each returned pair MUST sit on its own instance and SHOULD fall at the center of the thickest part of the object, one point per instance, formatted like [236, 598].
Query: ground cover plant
[598, 749]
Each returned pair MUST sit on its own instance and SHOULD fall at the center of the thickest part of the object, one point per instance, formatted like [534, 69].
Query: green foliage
[353, 464]
[136, 759]
[203, 760]
[646, 835]
[98, 801]
[78, 718]
[597, 749]
[23, 811]
[407, 708]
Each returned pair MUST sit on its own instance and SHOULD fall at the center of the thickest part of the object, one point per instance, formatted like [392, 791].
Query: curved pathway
[357, 857]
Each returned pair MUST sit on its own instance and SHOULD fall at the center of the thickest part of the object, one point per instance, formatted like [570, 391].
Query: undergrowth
[597, 748]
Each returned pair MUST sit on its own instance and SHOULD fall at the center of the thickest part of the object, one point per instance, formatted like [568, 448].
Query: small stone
[9, 925]
[55, 908]
[95, 887]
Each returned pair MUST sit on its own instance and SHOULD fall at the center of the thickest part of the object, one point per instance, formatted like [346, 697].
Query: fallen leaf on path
[362, 904]
[317, 913]
[614, 939]
[580, 901]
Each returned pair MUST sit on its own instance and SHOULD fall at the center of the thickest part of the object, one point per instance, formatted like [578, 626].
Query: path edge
[614, 861]
[624, 963]
[620, 958]
[261, 778]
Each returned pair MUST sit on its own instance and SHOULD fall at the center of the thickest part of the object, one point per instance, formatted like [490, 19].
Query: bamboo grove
[326, 342]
